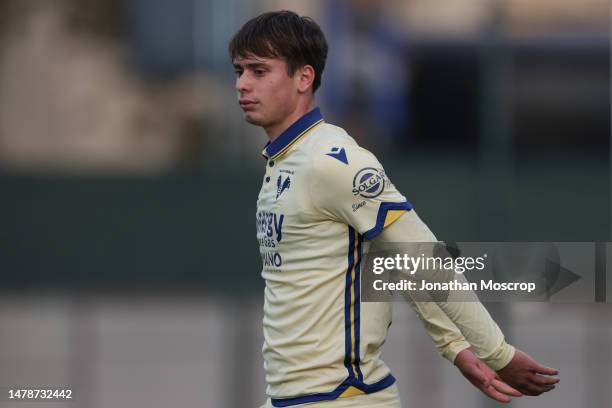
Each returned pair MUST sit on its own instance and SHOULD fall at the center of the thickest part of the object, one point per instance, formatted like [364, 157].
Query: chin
[252, 119]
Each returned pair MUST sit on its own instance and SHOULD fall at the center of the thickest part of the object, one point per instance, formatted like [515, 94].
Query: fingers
[540, 380]
[534, 387]
[492, 393]
[493, 388]
[533, 390]
[528, 376]
[505, 388]
[478, 377]
[541, 369]
[538, 384]
[525, 390]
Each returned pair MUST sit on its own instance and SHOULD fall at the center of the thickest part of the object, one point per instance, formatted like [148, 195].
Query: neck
[274, 131]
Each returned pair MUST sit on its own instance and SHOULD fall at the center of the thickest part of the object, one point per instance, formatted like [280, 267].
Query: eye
[238, 72]
[259, 72]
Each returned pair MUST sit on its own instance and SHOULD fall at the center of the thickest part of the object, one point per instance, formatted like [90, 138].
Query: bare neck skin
[303, 107]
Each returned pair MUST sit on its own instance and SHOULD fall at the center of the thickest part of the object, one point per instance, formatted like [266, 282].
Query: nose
[243, 84]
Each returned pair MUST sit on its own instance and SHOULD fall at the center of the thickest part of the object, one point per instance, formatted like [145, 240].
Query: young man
[323, 198]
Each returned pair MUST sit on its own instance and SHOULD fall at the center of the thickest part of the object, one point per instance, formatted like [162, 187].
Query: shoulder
[335, 152]
[339, 167]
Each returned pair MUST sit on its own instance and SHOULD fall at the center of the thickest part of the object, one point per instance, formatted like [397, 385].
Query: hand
[483, 377]
[525, 374]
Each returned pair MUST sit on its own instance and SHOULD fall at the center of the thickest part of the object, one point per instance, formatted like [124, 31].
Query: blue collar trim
[292, 133]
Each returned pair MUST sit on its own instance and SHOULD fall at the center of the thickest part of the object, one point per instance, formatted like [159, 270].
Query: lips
[247, 103]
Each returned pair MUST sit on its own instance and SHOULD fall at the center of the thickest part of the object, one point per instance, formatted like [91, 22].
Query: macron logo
[339, 154]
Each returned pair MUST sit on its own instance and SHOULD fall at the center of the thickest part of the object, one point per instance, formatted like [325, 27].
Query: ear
[305, 77]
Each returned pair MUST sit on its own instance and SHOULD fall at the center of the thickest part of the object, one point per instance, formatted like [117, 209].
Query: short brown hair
[286, 35]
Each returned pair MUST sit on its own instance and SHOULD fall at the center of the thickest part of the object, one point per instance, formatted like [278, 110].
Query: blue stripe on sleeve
[382, 215]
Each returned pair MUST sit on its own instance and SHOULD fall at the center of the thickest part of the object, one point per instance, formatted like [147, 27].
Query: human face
[267, 94]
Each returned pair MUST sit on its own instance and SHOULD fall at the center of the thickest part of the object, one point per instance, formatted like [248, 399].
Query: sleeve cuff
[500, 357]
[451, 350]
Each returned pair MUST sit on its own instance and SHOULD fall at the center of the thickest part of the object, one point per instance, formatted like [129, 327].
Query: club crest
[282, 185]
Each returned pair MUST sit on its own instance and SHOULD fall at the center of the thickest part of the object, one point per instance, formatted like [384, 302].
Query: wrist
[452, 350]
[501, 357]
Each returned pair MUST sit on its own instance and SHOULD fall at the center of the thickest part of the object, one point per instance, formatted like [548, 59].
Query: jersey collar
[293, 134]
